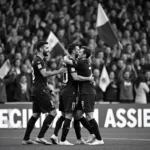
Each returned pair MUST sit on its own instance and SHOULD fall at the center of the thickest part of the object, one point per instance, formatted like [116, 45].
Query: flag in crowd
[56, 47]
[5, 69]
[104, 28]
[104, 79]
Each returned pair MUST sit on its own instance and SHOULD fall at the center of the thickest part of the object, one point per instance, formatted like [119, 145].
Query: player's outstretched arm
[67, 60]
[77, 77]
[52, 73]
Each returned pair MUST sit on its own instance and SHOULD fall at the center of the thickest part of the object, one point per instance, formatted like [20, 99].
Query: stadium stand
[24, 22]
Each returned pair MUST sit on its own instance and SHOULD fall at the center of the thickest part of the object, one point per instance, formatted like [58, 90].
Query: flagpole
[113, 31]
[119, 43]
[53, 40]
[104, 27]
[63, 49]
[95, 38]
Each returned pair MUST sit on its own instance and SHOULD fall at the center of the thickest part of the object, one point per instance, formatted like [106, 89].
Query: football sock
[58, 125]
[77, 129]
[47, 122]
[30, 127]
[65, 129]
[95, 128]
[86, 124]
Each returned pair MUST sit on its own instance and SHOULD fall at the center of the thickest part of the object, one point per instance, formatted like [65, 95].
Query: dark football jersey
[38, 79]
[71, 86]
[84, 69]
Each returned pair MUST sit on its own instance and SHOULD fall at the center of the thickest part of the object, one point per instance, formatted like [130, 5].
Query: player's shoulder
[78, 61]
[82, 61]
[38, 60]
[69, 66]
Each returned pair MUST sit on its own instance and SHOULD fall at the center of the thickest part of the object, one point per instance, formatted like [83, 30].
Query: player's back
[71, 86]
[84, 68]
[39, 80]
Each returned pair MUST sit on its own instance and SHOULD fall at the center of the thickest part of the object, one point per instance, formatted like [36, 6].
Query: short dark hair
[87, 51]
[71, 47]
[40, 44]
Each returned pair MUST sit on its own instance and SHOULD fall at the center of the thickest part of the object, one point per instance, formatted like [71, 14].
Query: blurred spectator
[54, 91]
[147, 77]
[141, 88]
[120, 66]
[112, 92]
[17, 66]
[3, 86]
[24, 72]
[23, 23]
[137, 66]
[22, 92]
[126, 89]
[11, 87]
[99, 95]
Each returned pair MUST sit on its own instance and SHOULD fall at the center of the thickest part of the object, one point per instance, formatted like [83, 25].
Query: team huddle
[76, 98]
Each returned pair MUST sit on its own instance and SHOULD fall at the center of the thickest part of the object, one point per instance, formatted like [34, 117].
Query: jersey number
[65, 77]
[33, 76]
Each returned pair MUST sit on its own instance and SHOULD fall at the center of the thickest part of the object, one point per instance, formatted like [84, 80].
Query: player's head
[43, 47]
[73, 49]
[84, 52]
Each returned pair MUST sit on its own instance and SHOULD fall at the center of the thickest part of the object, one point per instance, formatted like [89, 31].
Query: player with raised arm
[68, 99]
[41, 96]
[87, 92]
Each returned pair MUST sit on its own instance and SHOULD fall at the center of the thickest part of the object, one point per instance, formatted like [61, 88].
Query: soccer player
[68, 100]
[41, 96]
[87, 91]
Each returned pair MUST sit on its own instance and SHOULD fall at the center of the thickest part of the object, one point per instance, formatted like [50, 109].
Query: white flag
[104, 79]
[5, 69]
[55, 46]
[52, 40]
[104, 28]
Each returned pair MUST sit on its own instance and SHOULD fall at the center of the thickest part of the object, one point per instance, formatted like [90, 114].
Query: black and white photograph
[74, 74]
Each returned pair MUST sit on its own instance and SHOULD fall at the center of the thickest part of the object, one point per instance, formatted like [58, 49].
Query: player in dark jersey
[87, 91]
[72, 89]
[68, 96]
[41, 96]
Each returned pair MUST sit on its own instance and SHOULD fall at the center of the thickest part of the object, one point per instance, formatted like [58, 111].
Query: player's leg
[79, 118]
[31, 124]
[77, 127]
[88, 104]
[65, 129]
[87, 126]
[54, 137]
[59, 123]
[47, 122]
[94, 128]
[46, 106]
[69, 106]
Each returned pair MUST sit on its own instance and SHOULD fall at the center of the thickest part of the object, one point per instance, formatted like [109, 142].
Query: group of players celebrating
[76, 98]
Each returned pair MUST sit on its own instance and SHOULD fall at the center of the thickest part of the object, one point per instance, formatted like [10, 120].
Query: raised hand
[91, 78]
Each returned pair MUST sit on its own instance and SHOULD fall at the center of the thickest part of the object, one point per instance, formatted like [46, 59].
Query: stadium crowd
[24, 22]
